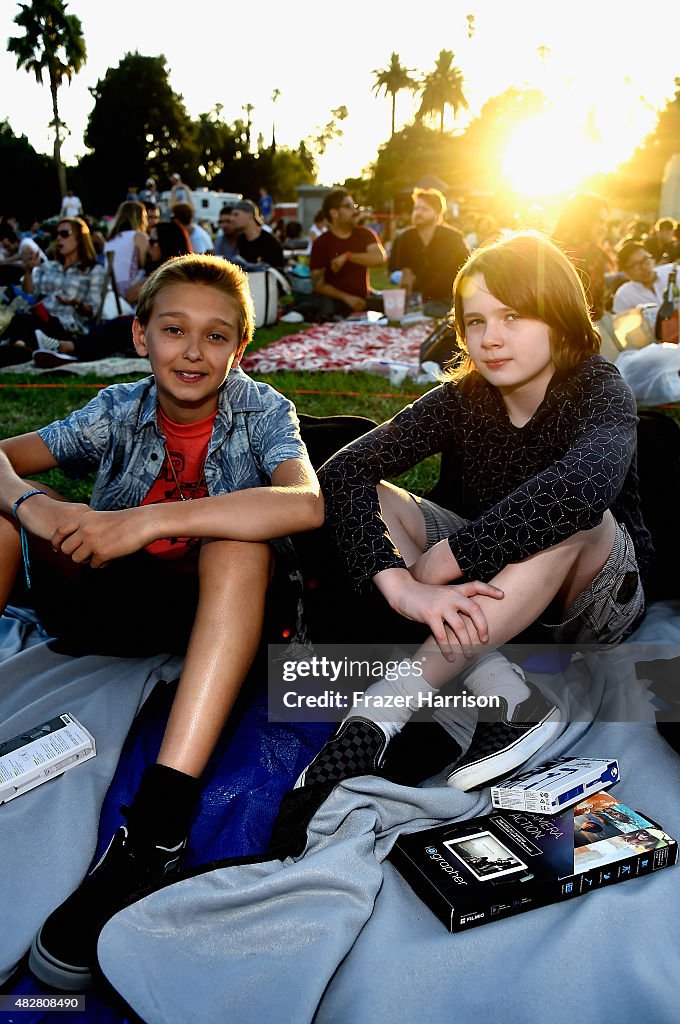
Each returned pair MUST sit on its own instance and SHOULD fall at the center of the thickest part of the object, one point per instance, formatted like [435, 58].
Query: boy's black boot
[135, 863]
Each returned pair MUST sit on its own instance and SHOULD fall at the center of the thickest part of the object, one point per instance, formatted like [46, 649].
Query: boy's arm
[292, 504]
[41, 514]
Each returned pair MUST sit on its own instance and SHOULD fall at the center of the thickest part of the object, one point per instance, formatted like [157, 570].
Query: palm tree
[392, 80]
[442, 88]
[275, 98]
[53, 42]
[248, 108]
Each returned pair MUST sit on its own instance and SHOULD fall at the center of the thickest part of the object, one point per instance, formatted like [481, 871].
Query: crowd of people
[622, 264]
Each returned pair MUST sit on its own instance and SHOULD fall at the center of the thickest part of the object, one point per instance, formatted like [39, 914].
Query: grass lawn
[318, 394]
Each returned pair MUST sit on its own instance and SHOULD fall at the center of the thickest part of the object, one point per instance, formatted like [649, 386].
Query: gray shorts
[604, 613]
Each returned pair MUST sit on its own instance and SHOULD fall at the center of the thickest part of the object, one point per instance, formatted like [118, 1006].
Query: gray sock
[495, 676]
[404, 691]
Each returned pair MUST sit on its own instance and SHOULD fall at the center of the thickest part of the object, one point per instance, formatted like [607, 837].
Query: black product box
[484, 869]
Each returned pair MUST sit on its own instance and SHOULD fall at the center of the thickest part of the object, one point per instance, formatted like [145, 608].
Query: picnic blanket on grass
[114, 366]
[336, 935]
[342, 346]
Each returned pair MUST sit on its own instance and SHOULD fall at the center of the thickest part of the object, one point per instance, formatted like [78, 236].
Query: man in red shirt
[341, 259]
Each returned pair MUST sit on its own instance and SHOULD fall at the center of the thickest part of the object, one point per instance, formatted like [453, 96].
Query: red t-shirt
[187, 444]
[351, 278]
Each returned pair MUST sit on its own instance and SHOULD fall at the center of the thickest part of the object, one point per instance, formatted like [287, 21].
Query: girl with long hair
[537, 514]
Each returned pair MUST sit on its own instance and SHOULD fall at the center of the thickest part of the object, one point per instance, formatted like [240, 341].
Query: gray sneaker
[499, 747]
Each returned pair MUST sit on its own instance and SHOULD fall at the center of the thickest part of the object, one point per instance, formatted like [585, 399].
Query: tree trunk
[441, 119]
[394, 99]
[61, 172]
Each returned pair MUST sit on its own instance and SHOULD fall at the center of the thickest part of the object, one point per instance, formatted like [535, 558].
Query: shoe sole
[52, 972]
[491, 767]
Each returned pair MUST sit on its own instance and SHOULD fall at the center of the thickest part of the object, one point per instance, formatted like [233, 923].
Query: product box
[555, 785]
[484, 869]
[42, 753]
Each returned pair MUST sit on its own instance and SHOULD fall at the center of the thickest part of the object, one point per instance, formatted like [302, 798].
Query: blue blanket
[337, 935]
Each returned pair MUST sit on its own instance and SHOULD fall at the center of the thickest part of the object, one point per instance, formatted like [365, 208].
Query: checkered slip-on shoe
[357, 747]
[499, 747]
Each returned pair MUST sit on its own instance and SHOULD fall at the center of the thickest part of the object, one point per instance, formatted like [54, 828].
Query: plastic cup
[394, 302]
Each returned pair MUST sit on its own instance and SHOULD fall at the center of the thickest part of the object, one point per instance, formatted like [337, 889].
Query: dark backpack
[659, 476]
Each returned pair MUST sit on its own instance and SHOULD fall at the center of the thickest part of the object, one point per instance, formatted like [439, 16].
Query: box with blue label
[556, 785]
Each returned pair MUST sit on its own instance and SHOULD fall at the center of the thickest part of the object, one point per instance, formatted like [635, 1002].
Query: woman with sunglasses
[115, 336]
[69, 287]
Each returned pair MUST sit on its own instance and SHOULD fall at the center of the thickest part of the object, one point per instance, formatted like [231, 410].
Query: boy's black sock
[163, 806]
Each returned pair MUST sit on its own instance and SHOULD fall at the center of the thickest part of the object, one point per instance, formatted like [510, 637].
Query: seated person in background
[129, 244]
[341, 259]
[199, 429]
[225, 239]
[15, 252]
[661, 243]
[70, 289]
[293, 236]
[253, 243]
[319, 225]
[428, 255]
[646, 282]
[199, 238]
[153, 215]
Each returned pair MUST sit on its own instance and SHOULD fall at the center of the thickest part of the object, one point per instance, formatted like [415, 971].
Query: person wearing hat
[254, 244]
[148, 194]
[179, 192]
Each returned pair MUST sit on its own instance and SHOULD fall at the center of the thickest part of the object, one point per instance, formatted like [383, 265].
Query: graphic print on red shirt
[187, 445]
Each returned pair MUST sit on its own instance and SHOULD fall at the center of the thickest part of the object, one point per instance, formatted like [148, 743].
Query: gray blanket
[339, 936]
[48, 836]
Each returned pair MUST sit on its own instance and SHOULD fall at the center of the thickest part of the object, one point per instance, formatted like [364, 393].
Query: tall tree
[442, 88]
[28, 180]
[154, 136]
[52, 43]
[392, 80]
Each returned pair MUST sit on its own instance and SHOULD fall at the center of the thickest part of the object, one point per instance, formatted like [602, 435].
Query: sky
[601, 54]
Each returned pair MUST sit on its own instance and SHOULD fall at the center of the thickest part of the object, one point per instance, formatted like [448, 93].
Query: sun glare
[554, 152]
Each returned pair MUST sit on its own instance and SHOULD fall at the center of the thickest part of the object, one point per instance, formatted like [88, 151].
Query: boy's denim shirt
[117, 434]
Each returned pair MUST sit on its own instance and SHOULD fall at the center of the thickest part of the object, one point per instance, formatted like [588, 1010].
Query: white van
[207, 204]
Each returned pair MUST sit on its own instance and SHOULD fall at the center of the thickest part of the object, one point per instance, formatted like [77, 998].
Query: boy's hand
[44, 516]
[98, 538]
[455, 619]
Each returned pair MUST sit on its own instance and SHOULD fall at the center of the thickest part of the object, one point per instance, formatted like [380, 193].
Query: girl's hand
[455, 619]
[98, 538]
